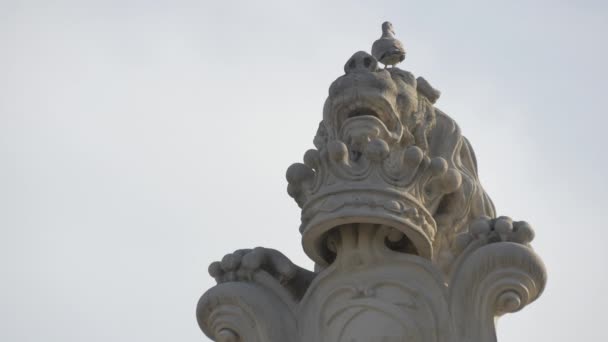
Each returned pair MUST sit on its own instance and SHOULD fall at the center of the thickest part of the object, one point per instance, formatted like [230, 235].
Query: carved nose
[361, 62]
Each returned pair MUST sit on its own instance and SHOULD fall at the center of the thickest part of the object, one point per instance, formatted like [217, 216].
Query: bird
[388, 50]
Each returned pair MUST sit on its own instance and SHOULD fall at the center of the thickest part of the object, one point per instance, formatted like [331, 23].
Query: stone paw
[485, 230]
[243, 263]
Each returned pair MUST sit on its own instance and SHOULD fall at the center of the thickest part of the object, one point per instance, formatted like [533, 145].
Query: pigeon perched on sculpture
[388, 50]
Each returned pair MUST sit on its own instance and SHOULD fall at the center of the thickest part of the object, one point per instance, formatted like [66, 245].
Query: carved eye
[352, 64]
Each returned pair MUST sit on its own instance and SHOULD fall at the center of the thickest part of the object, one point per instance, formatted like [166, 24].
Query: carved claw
[485, 230]
[243, 264]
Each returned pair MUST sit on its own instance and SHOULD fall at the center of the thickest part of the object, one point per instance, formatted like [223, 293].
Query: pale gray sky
[141, 140]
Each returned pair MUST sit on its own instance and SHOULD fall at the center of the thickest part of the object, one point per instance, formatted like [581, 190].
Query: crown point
[439, 166]
[312, 158]
[337, 151]
[451, 181]
[298, 172]
[413, 156]
[377, 150]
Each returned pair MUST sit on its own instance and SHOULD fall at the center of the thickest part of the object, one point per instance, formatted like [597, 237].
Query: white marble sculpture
[406, 242]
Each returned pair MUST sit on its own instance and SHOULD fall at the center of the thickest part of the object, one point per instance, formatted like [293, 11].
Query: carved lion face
[368, 103]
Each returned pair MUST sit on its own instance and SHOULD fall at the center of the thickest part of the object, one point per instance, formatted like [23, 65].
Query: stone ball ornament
[406, 243]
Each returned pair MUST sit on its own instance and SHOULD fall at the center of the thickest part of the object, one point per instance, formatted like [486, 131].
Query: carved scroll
[495, 279]
[257, 311]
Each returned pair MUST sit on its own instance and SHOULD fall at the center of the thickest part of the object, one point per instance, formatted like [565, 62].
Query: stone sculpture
[406, 242]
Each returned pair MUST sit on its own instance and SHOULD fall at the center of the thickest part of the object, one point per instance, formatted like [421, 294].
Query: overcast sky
[141, 140]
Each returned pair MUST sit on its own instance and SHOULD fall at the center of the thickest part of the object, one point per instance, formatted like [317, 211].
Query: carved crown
[372, 162]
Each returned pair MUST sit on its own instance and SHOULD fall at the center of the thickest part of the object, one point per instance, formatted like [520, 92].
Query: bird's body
[388, 50]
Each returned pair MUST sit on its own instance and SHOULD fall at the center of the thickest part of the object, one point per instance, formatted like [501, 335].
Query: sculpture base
[374, 292]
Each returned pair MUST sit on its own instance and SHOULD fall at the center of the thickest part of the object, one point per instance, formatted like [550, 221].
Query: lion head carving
[385, 154]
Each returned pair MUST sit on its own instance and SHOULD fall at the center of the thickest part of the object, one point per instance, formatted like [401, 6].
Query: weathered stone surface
[406, 241]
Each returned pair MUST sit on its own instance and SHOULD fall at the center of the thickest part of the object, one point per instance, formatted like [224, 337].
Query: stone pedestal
[406, 241]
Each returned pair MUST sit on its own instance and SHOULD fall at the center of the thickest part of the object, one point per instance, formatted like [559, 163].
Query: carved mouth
[363, 112]
[378, 109]
[361, 117]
